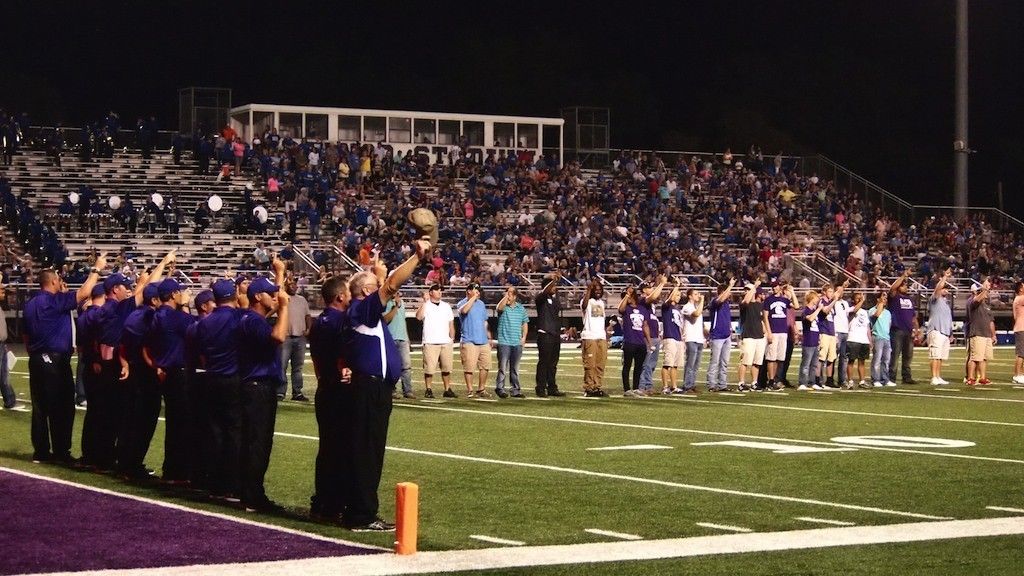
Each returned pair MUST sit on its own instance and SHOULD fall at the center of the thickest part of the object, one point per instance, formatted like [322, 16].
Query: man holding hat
[259, 370]
[165, 347]
[215, 345]
[475, 345]
[48, 342]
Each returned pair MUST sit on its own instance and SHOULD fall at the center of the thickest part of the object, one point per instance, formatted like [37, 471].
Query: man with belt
[259, 369]
[140, 405]
[328, 339]
[165, 347]
[376, 367]
[215, 345]
[549, 343]
[48, 342]
[293, 349]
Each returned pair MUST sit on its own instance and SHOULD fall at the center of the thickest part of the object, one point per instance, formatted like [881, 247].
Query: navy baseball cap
[167, 287]
[260, 285]
[223, 289]
[97, 291]
[150, 291]
[116, 279]
[204, 297]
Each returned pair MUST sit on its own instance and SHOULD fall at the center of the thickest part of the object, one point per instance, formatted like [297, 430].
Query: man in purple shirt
[259, 369]
[776, 308]
[721, 338]
[904, 328]
[47, 318]
[141, 407]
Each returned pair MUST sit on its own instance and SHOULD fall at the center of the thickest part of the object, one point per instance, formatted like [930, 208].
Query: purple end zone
[51, 527]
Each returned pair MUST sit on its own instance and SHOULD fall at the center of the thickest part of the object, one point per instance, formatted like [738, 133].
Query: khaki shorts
[435, 353]
[775, 351]
[475, 357]
[981, 349]
[938, 345]
[752, 351]
[827, 348]
[674, 351]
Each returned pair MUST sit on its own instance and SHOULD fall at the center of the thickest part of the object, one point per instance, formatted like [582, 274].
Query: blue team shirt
[653, 326]
[474, 322]
[329, 337]
[259, 355]
[167, 337]
[672, 320]
[826, 322]
[373, 351]
[812, 329]
[721, 319]
[133, 337]
[902, 309]
[112, 319]
[777, 308]
[217, 341]
[48, 322]
[85, 333]
[633, 319]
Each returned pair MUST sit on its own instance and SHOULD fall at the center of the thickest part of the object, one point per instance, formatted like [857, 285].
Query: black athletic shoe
[519, 395]
[377, 525]
[428, 393]
[501, 393]
[300, 397]
[911, 381]
[449, 393]
[556, 392]
[280, 396]
[595, 394]
[542, 393]
[266, 506]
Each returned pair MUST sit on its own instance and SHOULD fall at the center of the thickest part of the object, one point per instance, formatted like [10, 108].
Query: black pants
[548, 348]
[367, 413]
[327, 497]
[141, 415]
[201, 431]
[52, 388]
[90, 384]
[177, 449]
[104, 414]
[259, 412]
[902, 347]
[222, 451]
[783, 369]
[632, 355]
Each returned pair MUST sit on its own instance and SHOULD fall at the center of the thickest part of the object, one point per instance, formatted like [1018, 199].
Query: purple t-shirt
[721, 320]
[672, 320]
[826, 322]
[777, 306]
[811, 329]
[902, 309]
[633, 319]
[652, 320]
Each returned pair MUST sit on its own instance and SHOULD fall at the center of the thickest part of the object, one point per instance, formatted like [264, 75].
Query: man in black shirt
[752, 334]
[548, 341]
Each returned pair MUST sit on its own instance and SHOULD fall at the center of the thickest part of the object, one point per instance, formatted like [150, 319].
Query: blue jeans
[693, 350]
[808, 365]
[5, 379]
[718, 369]
[292, 349]
[842, 361]
[508, 364]
[650, 362]
[406, 357]
[880, 360]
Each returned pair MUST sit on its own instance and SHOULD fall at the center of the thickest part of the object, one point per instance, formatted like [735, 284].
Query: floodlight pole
[960, 147]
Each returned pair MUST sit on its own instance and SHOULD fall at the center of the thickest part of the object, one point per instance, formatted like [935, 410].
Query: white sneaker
[938, 381]
[878, 384]
[818, 387]
[864, 384]
[1018, 379]
[803, 387]
[890, 384]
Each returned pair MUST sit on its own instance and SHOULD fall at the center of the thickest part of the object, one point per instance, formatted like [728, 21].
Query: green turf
[505, 498]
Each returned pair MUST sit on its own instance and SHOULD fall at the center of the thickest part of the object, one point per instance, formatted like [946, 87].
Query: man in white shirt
[594, 339]
[693, 335]
[841, 320]
[438, 337]
[858, 344]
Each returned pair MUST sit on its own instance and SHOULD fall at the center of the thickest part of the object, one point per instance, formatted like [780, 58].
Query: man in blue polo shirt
[216, 344]
[475, 347]
[166, 348]
[51, 383]
[512, 326]
[376, 367]
[259, 370]
[140, 408]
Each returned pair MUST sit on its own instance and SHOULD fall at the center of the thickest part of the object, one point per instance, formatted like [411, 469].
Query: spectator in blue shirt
[475, 346]
[513, 324]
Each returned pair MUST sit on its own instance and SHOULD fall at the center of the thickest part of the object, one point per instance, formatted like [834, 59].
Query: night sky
[869, 84]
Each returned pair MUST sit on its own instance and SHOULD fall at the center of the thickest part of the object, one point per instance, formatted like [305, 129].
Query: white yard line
[494, 540]
[179, 507]
[610, 534]
[824, 521]
[701, 432]
[725, 527]
[968, 398]
[1005, 509]
[533, 556]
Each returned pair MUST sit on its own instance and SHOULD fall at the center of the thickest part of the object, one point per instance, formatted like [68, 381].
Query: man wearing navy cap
[88, 361]
[165, 346]
[48, 342]
[215, 343]
[138, 397]
[203, 304]
[259, 369]
[376, 367]
[122, 300]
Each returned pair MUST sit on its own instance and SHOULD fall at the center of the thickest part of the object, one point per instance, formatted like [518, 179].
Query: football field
[906, 480]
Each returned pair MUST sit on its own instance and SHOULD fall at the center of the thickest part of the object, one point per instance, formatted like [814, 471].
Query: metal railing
[825, 167]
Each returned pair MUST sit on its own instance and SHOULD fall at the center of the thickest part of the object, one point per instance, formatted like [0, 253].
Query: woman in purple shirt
[811, 339]
[636, 338]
